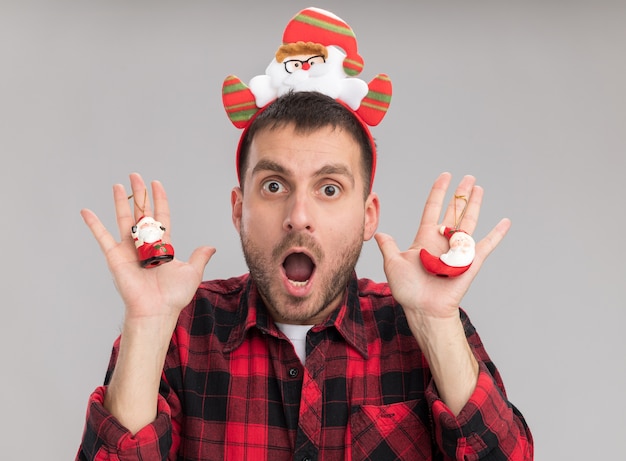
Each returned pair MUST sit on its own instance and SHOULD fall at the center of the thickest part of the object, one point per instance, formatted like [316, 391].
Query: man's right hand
[153, 299]
[161, 291]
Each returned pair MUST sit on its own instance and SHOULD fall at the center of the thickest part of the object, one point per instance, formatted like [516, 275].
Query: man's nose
[299, 213]
[306, 66]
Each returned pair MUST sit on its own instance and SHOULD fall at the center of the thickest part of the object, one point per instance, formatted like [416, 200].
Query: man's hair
[308, 111]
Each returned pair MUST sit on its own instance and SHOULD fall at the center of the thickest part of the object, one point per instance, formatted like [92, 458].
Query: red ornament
[147, 234]
[458, 258]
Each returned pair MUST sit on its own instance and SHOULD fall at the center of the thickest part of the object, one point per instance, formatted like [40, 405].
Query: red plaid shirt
[233, 388]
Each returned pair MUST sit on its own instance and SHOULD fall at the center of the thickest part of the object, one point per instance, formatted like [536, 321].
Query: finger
[463, 192]
[387, 245]
[492, 240]
[200, 258]
[104, 238]
[123, 212]
[141, 200]
[161, 206]
[469, 220]
[434, 202]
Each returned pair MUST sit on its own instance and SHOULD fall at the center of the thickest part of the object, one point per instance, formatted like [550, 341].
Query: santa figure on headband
[310, 60]
[319, 53]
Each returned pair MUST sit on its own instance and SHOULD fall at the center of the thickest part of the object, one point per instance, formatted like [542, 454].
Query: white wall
[529, 96]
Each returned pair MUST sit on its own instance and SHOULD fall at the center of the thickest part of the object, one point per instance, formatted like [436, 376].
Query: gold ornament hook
[145, 199]
[458, 219]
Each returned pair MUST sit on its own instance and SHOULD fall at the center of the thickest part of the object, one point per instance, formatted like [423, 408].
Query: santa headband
[319, 53]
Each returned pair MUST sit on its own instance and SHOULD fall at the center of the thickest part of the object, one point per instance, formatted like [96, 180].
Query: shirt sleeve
[488, 426]
[106, 439]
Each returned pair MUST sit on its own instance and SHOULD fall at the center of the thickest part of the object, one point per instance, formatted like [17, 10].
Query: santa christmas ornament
[319, 53]
[458, 258]
[147, 234]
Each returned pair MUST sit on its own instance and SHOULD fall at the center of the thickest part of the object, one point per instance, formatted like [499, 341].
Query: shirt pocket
[392, 431]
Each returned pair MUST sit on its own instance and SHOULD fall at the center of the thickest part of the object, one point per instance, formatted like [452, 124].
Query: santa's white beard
[307, 80]
[150, 234]
[328, 78]
[458, 257]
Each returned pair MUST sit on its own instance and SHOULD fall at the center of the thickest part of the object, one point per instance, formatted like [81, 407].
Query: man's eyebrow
[330, 169]
[269, 165]
[336, 169]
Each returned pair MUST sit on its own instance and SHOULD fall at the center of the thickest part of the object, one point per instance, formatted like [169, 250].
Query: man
[300, 359]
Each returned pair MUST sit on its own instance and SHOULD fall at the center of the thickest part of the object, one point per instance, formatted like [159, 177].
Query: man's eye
[273, 187]
[330, 190]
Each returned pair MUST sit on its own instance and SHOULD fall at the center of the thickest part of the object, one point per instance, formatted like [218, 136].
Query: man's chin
[287, 308]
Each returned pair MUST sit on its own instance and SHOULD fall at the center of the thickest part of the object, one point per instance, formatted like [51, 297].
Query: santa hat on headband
[321, 26]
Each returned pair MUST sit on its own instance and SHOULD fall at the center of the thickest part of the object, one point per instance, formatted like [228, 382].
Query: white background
[528, 96]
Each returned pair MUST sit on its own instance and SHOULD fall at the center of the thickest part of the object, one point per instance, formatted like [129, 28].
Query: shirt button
[293, 372]
[306, 458]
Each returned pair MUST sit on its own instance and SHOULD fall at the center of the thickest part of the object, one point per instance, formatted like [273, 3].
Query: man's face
[303, 219]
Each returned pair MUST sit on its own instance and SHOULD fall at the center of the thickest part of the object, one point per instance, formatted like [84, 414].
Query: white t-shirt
[297, 336]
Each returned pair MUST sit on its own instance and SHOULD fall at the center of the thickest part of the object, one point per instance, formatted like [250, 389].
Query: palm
[410, 284]
[163, 290]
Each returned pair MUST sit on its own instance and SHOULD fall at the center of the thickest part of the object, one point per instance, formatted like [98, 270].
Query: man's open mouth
[298, 268]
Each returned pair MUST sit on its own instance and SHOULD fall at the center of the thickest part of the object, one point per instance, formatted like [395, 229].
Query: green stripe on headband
[233, 87]
[324, 25]
[378, 96]
[242, 116]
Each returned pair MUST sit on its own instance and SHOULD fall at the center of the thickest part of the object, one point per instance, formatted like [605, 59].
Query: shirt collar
[252, 313]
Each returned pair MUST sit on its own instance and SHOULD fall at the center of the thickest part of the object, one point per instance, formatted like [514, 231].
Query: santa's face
[462, 250]
[460, 241]
[303, 62]
[149, 230]
[302, 219]
[308, 72]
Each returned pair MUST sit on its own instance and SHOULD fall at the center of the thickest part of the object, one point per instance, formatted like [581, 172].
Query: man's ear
[372, 215]
[236, 203]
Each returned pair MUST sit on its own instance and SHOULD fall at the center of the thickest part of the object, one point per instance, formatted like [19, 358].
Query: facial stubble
[331, 285]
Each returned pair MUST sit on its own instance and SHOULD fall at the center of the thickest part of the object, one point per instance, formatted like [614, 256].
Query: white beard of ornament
[150, 234]
[147, 230]
[327, 78]
[462, 250]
